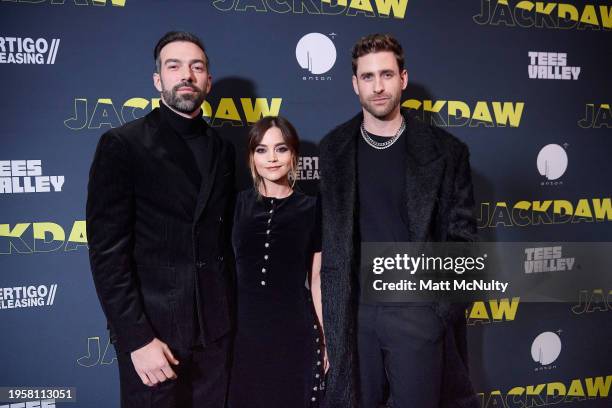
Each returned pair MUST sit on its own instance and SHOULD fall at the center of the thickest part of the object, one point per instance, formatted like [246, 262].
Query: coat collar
[421, 144]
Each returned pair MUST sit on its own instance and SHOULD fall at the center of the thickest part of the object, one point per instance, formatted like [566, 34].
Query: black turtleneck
[193, 133]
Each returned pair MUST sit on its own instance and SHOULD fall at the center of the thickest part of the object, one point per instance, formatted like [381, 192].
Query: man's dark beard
[186, 103]
[394, 103]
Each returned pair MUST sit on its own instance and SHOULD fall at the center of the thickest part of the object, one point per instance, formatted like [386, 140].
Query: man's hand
[152, 363]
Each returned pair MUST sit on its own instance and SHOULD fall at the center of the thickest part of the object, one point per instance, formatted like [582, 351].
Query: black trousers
[400, 356]
[202, 380]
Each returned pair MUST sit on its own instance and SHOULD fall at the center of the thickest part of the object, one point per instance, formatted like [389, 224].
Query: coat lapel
[341, 185]
[212, 153]
[424, 171]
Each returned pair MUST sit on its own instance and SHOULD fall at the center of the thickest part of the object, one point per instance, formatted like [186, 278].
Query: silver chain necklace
[382, 145]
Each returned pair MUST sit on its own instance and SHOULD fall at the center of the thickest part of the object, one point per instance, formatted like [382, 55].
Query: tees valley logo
[547, 259]
[104, 112]
[368, 8]
[551, 65]
[25, 176]
[316, 53]
[540, 14]
[116, 3]
[17, 50]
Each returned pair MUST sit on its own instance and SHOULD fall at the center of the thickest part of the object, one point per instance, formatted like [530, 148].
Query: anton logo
[25, 176]
[472, 114]
[544, 14]
[367, 8]
[27, 296]
[316, 53]
[552, 163]
[545, 349]
[551, 65]
[17, 50]
[104, 113]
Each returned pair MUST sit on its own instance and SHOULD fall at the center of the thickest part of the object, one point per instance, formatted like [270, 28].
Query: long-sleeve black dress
[278, 356]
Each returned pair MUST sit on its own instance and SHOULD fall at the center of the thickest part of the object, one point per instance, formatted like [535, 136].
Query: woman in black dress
[278, 350]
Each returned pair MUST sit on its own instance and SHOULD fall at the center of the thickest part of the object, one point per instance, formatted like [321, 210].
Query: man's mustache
[186, 85]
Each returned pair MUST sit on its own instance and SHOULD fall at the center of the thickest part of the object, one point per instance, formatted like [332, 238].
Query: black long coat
[438, 207]
[158, 237]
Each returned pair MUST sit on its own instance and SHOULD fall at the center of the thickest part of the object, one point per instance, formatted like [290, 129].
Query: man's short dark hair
[174, 36]
[377, 43]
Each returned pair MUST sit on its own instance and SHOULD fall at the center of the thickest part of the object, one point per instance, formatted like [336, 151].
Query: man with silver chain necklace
[386, 176]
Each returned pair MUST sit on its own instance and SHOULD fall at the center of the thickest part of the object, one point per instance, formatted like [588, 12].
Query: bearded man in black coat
[159, 196]
[386, 176]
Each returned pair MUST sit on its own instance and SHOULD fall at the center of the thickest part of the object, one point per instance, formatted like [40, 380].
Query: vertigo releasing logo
[25, 176]
[27, 296]
[368, 8]
[308, 168]
[551, 65]
[316, 53]
[552, 164]
[17, 50]
[541, 14]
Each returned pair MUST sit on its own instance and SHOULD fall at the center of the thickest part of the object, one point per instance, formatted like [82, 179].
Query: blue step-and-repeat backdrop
[526, 84]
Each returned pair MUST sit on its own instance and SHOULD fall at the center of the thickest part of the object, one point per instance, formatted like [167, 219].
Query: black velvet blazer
[438, 205]
[159, 240]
